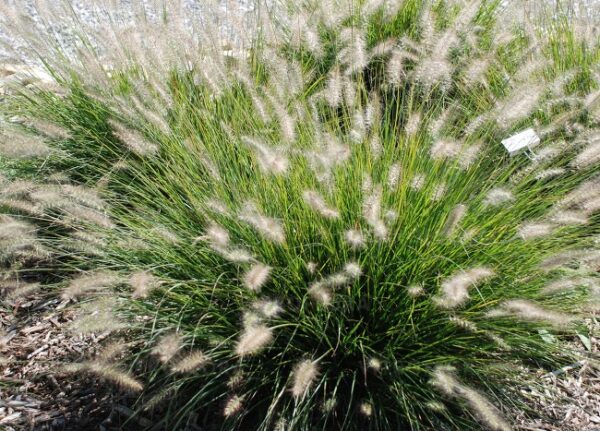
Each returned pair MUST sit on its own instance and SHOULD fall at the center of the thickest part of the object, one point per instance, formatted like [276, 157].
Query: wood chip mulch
[34, 393]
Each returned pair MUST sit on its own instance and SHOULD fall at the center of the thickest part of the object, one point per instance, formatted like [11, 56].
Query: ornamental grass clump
[303, 216]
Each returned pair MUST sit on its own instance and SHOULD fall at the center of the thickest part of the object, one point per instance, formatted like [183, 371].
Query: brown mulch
[568, 397]
[34, 393]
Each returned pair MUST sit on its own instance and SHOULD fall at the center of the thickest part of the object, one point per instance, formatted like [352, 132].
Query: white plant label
[525, 139]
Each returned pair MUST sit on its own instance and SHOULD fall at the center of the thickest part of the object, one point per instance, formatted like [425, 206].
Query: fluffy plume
[394, 175]
[395, 67]
[90, 283]
[374, 364]
[445, 149]
[582, 193]
[372, 213]
[354, 56]
[530, 311]
[454, 219]
[270, 228]
[468, 156]
[455, 290]
[167, 347]
[563, 258]
[253, 339]
[567, 284]
[413, 124]
[267, 308]
[143, 283]
[321, 291]
[439, 192]
[22, 145]
[303, 377]
[534, 230]
[327, 157]
[97, 316]
[191, 362]
[108, 372]
[134, 140]
[549, 173]
[317, 202]
[233, 406]
[444, 380]
[520, 105]
[333, 89]
[415, 290]
[567, 218]
[237, 255]
[51, 130]
[352, 269]
[376, 147]
[418, 182]
[354, 238]
[590, 155]
[21, 290]
[591, 205]
[257, 276]
[270, 160]
[216, 236]
[366, 409]
[321, 294]
[497, 197]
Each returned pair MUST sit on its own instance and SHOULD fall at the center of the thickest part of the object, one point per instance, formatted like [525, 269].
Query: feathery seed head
[445, 149]
[236, 255]
[311, 267]
[455, 290]
[354, 238]
[439, 192]
[270, 160]
[569, 217]
[303, 376]
[321, 294]
[253, 339]
[333, 89]
[497, 197]
[267, 308]
[268, 227]
[167, 347]
[418, 182]
[108, 372]
[143, 283]
[374, 364]
[134, 140]
[257, 276]
[444, 380]
[454, 219]
[566, 284]
[415, 290]
[530, 311]
[317, 202]
[394, 175]
[353, 269]
[191, 362]
[233, 405]
[90, 283]
[372, 213]
[366, 409]
[534, 230]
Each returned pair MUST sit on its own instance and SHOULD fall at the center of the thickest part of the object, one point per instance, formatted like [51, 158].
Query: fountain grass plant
[312, 224]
